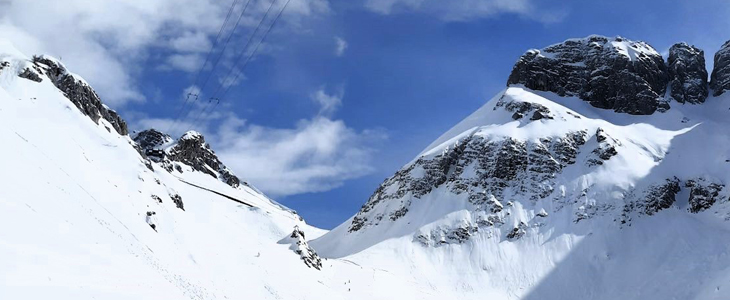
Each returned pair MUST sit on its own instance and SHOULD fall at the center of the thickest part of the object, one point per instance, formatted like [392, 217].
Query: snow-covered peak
[59, 68]
[535, 154]
[91, 202]
[191, 135]
[78, 91]
[630, 49]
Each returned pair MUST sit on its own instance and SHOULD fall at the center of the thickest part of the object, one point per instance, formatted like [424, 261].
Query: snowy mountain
[599, 172]
[86, 212]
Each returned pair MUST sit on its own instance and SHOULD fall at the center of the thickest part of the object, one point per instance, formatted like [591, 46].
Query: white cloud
[191, 42]
[328, 103]
[184, 62]
[109, 41]
[340, 46]
[315, 155]
[465, 10]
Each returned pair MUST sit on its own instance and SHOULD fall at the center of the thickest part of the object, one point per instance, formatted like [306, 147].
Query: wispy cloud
[340, 46]
[328, 103]
[318, 154]
[466, 10]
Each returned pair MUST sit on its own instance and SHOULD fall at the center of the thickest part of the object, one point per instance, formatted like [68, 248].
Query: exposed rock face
[191, 149]
[606, 148]
[494, 166]
[657, 197]
[300, 246]
[517, 232]
[703, 194]
[80, 93]
[720, 81]
[687, 74]
[443, 236]
[618, 74]
[151, 139]
[32, 75]
[521, 109]
[177, 200]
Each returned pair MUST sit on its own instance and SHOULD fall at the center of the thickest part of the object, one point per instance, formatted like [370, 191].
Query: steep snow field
[73, 202]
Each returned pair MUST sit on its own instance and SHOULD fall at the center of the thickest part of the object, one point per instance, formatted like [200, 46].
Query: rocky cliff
[622, 75]
[78, 91]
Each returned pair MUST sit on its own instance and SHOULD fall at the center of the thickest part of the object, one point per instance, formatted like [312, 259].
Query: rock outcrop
[703, 194]
[192, 150]
[495, 166]
[687, 74]
[720, 81]
[300, 246]
[80, 93]
[618, 74]
[34, 75]
[152, 139]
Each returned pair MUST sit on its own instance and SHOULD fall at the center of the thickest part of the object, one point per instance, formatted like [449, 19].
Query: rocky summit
[76, 90]
[190, 149]
[611, 73]
[687, 74]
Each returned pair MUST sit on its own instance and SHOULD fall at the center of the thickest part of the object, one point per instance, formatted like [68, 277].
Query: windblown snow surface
[74, 197]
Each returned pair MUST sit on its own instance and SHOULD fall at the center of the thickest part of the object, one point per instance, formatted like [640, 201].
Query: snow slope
[73, 202]
[589, 229]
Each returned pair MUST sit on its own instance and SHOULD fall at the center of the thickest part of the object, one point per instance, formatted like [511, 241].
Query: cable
[255, 49]
[237, 59]
[248, 59]
[215, 42]
[207, 57]
[228, 39]
[243, 50]
[203, 111]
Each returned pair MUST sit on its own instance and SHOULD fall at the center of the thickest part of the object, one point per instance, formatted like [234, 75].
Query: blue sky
[319, 127]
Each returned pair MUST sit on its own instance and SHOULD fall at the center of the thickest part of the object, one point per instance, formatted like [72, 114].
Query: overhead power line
[248, 59]
[225, 45]
[207, 57]
[243, 50]
[217, 99]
